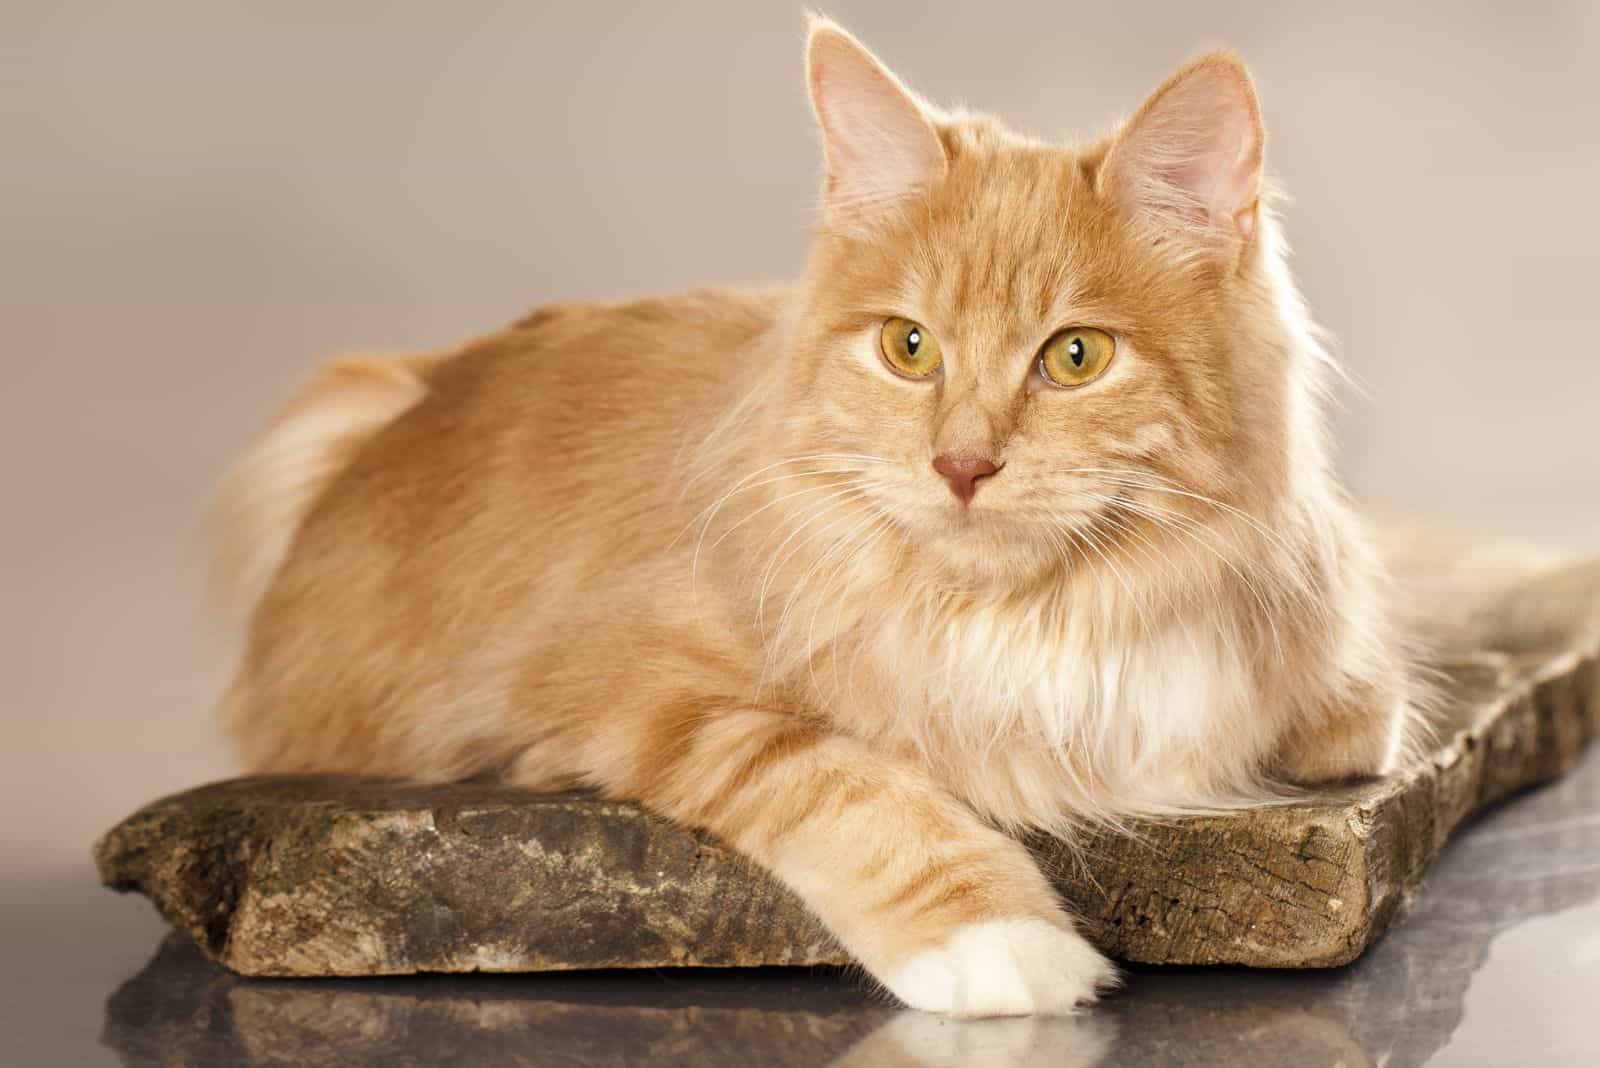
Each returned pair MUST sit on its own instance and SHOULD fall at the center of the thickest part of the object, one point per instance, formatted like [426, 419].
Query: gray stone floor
[1498, 963]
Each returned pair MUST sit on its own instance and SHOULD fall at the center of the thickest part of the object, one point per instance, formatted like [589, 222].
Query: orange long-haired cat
[1015, 512]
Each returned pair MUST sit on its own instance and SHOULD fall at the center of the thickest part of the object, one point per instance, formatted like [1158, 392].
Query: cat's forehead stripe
[997, 247]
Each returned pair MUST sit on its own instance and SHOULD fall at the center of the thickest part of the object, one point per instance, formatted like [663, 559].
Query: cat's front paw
[1005, 968]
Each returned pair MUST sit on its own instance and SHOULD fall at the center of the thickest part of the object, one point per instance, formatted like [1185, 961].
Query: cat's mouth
[1001, 540]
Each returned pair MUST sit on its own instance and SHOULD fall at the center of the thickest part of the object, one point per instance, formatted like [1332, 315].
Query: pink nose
[963, 472]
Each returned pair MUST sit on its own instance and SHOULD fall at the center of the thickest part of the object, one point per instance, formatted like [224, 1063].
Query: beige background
[198, 200]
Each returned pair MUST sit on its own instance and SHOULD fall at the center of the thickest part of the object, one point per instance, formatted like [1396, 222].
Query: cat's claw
[1005, 968]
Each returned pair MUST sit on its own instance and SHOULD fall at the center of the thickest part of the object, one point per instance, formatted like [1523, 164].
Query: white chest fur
[1027, 711]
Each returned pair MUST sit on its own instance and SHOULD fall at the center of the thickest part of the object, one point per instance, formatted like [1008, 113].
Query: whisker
[770, 573]
[1162, 484]
[1193, 530]
[774, 645]
[694, 565]
[875, 532]
[740, 485]
[1150, 554]
[779, 500]
[1138, 605]
[855, 657]
[865, 532]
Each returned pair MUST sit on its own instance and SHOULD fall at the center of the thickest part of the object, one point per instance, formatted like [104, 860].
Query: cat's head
[1053, 346]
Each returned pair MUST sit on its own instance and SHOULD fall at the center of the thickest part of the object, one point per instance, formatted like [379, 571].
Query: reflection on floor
[1512, 911]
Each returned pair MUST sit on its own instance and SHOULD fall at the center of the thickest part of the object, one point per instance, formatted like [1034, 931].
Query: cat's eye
[1076, 356]
[909, 349]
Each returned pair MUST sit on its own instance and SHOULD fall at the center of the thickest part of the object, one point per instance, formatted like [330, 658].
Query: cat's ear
[1190, 158]
[878, 140]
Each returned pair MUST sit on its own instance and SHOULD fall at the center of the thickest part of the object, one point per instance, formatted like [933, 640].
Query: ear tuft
[1190, 158]
[879, 141]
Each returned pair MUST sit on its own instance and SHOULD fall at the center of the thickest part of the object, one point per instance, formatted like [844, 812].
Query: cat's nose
[963, 472]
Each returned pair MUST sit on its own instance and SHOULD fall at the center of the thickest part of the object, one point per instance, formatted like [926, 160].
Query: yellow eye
[1076, 356]
[909, 348]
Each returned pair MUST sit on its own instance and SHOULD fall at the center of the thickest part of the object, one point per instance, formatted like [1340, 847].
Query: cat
[1015, 513]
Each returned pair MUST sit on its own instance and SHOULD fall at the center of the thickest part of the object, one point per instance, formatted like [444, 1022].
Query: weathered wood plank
[339, 876]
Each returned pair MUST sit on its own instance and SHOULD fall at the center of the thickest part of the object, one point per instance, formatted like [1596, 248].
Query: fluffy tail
[269, 492]
[1472, 594]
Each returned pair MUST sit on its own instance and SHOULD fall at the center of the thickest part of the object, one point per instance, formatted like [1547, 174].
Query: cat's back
[678, 343]
[578, 412]
[568, 375]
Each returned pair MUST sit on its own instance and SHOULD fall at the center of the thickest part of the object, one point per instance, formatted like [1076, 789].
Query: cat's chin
[992, 551]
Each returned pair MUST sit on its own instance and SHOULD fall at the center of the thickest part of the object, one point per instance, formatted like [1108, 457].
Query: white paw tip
[1005, 968]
